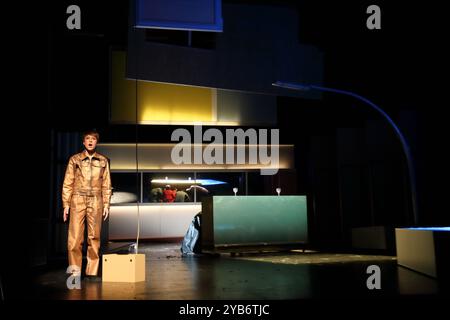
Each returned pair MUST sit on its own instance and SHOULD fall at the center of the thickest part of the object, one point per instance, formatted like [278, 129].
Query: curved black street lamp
[398, 132]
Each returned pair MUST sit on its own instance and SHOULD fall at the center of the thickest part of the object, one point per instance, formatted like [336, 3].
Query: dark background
[348, 161]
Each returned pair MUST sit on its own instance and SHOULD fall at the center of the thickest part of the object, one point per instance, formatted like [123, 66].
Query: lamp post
[399, 134]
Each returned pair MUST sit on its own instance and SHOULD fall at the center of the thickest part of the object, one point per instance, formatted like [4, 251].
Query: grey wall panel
[246, 108]
[256, 49]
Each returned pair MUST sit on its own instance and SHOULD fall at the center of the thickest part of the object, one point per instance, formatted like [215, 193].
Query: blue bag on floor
[191, 241]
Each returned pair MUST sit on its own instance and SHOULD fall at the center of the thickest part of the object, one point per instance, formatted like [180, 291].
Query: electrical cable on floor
[136, 137]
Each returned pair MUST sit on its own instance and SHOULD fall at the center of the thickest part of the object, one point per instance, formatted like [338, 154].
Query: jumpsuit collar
[85, 155]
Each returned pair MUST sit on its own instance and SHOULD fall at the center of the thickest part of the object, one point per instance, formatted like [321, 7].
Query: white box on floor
[123, 268]
[424, 250]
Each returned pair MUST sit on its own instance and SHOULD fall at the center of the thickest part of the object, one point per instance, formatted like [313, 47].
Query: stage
[260, 275]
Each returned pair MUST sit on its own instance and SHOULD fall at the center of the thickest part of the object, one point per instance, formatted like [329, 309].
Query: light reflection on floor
[292, 275]
[312, 257]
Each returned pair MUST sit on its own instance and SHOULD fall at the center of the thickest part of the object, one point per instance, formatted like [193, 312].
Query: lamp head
[290, 85]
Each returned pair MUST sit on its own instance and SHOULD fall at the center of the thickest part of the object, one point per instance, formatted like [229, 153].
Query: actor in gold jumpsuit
[86, 194]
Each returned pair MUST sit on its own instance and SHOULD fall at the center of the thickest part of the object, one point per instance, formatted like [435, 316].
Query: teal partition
[254, 220]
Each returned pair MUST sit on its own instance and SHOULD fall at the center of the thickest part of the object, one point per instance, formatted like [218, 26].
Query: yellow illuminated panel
[158, 103]
[167, 102]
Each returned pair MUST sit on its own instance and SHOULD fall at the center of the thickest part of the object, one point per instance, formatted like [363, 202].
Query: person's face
[90, 143]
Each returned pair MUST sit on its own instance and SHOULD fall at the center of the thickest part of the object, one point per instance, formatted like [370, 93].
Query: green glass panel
[247, 220]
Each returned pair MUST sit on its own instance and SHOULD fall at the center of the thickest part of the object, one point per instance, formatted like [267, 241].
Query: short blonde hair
[91, 133]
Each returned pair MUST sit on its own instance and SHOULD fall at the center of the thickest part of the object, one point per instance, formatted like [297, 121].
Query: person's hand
[66, 213]
[105, 213]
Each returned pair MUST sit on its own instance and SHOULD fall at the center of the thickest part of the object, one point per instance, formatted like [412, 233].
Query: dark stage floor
[288, 275]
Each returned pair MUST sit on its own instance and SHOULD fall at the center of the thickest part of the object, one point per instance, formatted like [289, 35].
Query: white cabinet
[168, 220]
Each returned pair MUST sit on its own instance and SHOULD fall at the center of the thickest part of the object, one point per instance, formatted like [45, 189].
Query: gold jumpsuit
[86, 191]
